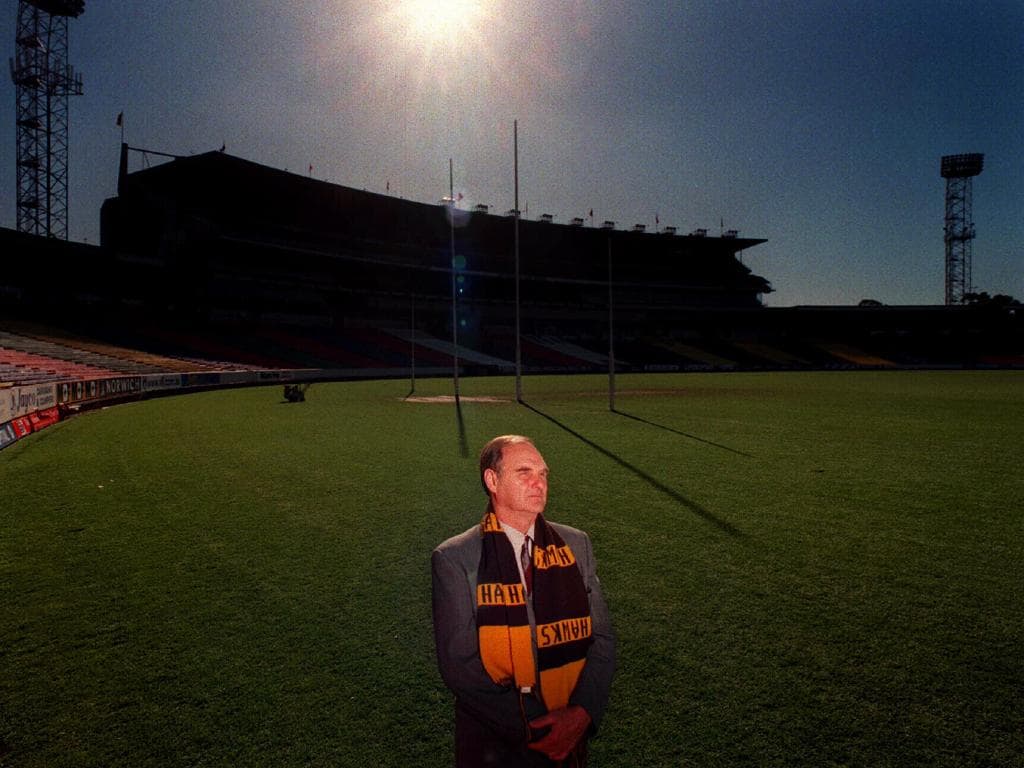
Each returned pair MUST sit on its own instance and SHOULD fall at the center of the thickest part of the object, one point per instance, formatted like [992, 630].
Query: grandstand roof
[229, 198]
[219, 172]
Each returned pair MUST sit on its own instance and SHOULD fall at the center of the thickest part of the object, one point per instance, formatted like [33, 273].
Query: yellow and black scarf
[561, 610]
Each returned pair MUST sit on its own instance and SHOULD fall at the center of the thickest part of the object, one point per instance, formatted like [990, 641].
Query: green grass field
[804, 570]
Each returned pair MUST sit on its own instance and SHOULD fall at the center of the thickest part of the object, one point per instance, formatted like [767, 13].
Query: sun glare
[436, 43]
[437, 20]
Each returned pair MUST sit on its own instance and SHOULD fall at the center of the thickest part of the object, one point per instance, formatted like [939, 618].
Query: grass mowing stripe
[803, 569]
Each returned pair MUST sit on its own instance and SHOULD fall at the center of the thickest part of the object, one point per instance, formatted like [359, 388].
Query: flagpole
[455, 318]
[519, 349]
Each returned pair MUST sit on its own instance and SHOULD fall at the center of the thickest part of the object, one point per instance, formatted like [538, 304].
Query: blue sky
[816, 125]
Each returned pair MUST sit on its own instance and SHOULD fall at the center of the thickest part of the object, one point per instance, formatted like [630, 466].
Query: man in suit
[523, 635]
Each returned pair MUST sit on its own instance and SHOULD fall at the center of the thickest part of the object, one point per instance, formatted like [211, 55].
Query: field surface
[814, 569]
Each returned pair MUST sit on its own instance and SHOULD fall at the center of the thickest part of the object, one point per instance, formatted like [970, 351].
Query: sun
[414, 51]
[437, 20]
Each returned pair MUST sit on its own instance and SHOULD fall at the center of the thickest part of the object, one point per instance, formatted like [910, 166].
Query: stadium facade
[213, 254]
[232, 240]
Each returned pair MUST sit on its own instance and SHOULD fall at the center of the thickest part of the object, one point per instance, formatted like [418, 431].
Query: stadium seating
[797, 340]
[856, 357]
[34, 354]
[19, 367]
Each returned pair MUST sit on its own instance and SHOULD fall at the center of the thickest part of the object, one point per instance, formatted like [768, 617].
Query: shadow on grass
[673, 494]
[463, 442]
[679, 432]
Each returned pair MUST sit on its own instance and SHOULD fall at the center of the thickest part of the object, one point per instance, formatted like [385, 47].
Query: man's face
[521, 486]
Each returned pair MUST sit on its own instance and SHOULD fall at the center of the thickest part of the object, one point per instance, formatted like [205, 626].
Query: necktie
[526, 560]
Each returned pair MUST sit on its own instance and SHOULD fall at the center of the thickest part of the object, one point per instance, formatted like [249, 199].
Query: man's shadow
[693, 506]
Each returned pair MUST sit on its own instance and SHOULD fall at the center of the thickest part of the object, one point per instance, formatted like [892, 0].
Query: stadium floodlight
[958, 229]
[962, 166]
[44, 81]
[72, 8]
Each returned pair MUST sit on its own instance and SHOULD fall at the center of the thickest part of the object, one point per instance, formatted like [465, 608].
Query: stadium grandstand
[217, 271]
[233, 240]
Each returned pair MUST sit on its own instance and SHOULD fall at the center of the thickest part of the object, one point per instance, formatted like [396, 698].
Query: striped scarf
[561, 610]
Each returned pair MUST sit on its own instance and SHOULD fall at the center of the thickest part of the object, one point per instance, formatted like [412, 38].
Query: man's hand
[567, 728]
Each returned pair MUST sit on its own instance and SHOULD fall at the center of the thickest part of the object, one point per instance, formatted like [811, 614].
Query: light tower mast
[43, 81]
[958, 170]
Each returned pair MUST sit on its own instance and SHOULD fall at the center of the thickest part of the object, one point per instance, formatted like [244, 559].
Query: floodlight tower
[43, 81]
[958, 170]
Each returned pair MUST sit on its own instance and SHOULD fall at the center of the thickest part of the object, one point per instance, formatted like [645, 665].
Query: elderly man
[523, 635]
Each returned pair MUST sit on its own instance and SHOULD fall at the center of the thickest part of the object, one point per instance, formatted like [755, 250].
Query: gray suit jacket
[454, 567]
